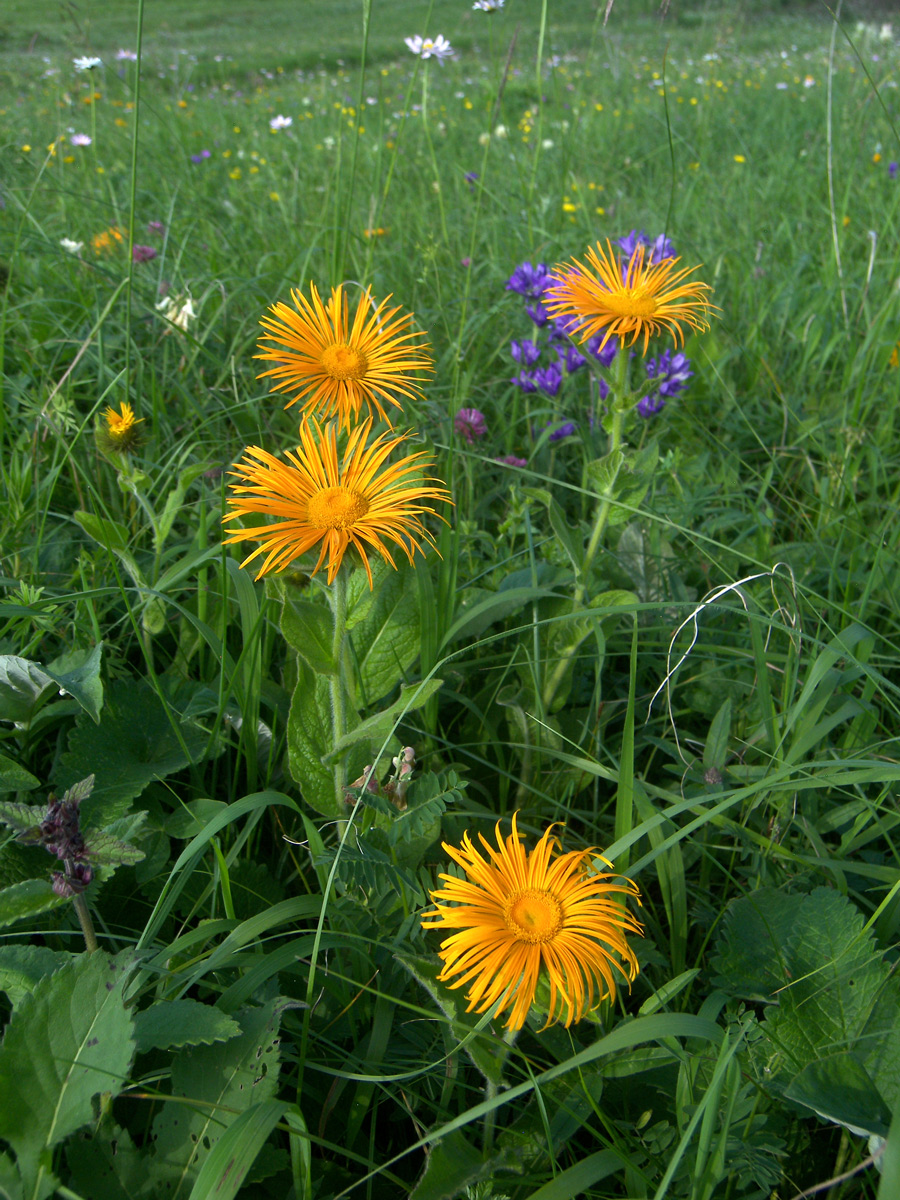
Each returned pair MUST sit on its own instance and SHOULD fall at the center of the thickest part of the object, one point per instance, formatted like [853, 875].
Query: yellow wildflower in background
[336, 366]
[519, 913]
[108, 241]
[121, 432]
[359, 502]
[638, 297]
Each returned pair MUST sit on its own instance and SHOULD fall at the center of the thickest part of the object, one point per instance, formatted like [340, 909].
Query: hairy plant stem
[336, 684]
[620, 405]
[87, 925]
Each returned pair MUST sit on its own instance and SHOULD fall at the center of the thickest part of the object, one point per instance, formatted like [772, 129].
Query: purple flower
[605, 356]
[471, 179]
[142, 253]
[671, 373]
[649, 406]
[538, 314]
[156, 227]
[529, 280]
[198, 158]
[659, 249]
[573, 358]
[526, 353]
[892, 170]
[548, 378]
[470, 424]
[564, 431]
[525, 380]
[511, 461]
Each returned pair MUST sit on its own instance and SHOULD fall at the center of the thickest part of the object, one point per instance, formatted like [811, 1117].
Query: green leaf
[377, 728]
[834, 978]
[385, 644]
[308, 628]
[191, 818]
[23, 818]
[110, 534]
[68, 1041]
[839, 1089]
[452, 1164]
[715, 751]
[175, 500]
[78, 674]
[10, 1179]
[309, 738]
[749, 961]
[22, 968]
[105, 1164]
[571, 540]
[136, 742]
[14, 778]
[466, 1026]
[27, 899]
[169, 1024]
[479, 609]
[221, 1081]
[24, 687]
[233, 1155]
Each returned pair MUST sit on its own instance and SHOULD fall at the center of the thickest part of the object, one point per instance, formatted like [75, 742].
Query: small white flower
[126, 56]
[886, 33]
[280, 122]
[71, 247]
[438, 47]
[501, 132]
[176, 311]
[80, 139]
[781, 86]
[86, 63]
[488, 5]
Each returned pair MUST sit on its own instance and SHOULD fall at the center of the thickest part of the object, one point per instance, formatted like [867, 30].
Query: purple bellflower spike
[649, 406]
[605, 356]
[892, 170]
[510, 460]
[573, 358]
[529, 280]
[548, 378]
[524, 352]
[563, 431]
[525, 380]
[538, 313]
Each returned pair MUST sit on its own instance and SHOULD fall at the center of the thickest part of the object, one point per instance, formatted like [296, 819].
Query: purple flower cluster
[670, 373]
[470, 424]
[198, 158]
[549, 357]
[60, 834]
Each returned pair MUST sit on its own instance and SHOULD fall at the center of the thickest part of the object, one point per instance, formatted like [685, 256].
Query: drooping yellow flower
[517, 913]
[121, 432]
[336, 366]
[108, 241]
[638, 297]
[360, 502]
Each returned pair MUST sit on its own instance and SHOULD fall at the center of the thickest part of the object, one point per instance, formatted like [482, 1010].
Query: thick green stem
[337, 684]
[84, 920]
[620, 403]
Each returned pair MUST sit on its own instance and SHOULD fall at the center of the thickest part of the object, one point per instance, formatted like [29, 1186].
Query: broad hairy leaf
[136, 742]
[385, 643]
[27, 899]
[234, 1154]
[78, 674]
[211, 1087]
[380, 725]
[840, 1089]
[310, 737]
[749, 961]
[308, 628]
[169, 1024]
[105, 1164]
[24, 687]
[14, 778]
[67, 1041]
[22, 967]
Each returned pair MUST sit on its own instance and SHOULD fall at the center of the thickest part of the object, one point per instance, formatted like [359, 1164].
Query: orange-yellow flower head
[108, 241]
[121, 432]
[336, 366]
[636, 297]
[517, 912]
[362, 501]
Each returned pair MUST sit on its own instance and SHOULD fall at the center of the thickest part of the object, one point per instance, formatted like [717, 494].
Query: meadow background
[262, 1016]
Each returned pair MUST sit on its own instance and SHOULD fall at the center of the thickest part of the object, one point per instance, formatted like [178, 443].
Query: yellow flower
[517, 913]
[739, 158]
[338, 366]
[894, 360]
[359, 502]
[107, 241]
[637, 297]
[121, 431]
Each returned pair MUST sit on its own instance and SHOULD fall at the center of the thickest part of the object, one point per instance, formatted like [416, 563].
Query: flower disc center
[344, 362]
[533, 915]
[630, 302]
[336, 508]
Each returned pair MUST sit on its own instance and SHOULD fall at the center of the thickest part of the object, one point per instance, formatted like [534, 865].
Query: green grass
[711, 698]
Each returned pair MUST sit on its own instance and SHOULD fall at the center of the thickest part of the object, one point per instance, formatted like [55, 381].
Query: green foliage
[68, 1041]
